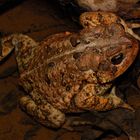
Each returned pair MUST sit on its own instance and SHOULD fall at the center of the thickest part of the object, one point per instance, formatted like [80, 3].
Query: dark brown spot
[51, 64]
[88, 18]
[76, 55]
[54, 117]
[47, 79]
[87, 94]
[68, 88]
[63, 81]
[100, 17]
[86, 24]
[74, 41]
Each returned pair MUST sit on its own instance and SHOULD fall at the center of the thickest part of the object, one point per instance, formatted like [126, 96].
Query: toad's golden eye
[117, 59]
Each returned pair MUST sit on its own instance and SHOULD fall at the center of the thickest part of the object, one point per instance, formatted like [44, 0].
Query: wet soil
[39, 19]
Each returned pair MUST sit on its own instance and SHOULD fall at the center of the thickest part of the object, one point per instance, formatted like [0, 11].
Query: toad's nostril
[117, 59]
[129, 46]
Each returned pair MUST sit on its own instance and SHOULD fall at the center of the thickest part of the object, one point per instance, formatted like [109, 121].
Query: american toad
[73, 72]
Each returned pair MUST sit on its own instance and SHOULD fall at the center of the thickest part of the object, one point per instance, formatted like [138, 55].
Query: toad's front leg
[87, 99]
[46, 114]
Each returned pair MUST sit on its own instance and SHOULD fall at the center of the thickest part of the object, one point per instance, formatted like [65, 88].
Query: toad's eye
[117, 59]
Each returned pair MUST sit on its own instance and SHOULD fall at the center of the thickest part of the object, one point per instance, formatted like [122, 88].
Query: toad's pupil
[117, 59]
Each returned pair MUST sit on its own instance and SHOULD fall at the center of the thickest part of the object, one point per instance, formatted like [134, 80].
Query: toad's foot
[23, 45]
[46, 114]
[118, 102]
[91, 101]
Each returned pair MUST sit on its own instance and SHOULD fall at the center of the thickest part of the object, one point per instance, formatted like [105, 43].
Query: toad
[73, 72]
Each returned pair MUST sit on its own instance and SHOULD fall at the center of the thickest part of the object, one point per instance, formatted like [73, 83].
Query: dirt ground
[39, 19]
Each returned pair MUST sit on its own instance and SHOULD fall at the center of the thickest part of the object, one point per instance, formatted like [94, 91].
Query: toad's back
[65, 64]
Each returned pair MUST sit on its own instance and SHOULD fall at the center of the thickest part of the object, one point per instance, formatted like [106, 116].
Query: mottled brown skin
[72, 72]
[92, 19]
